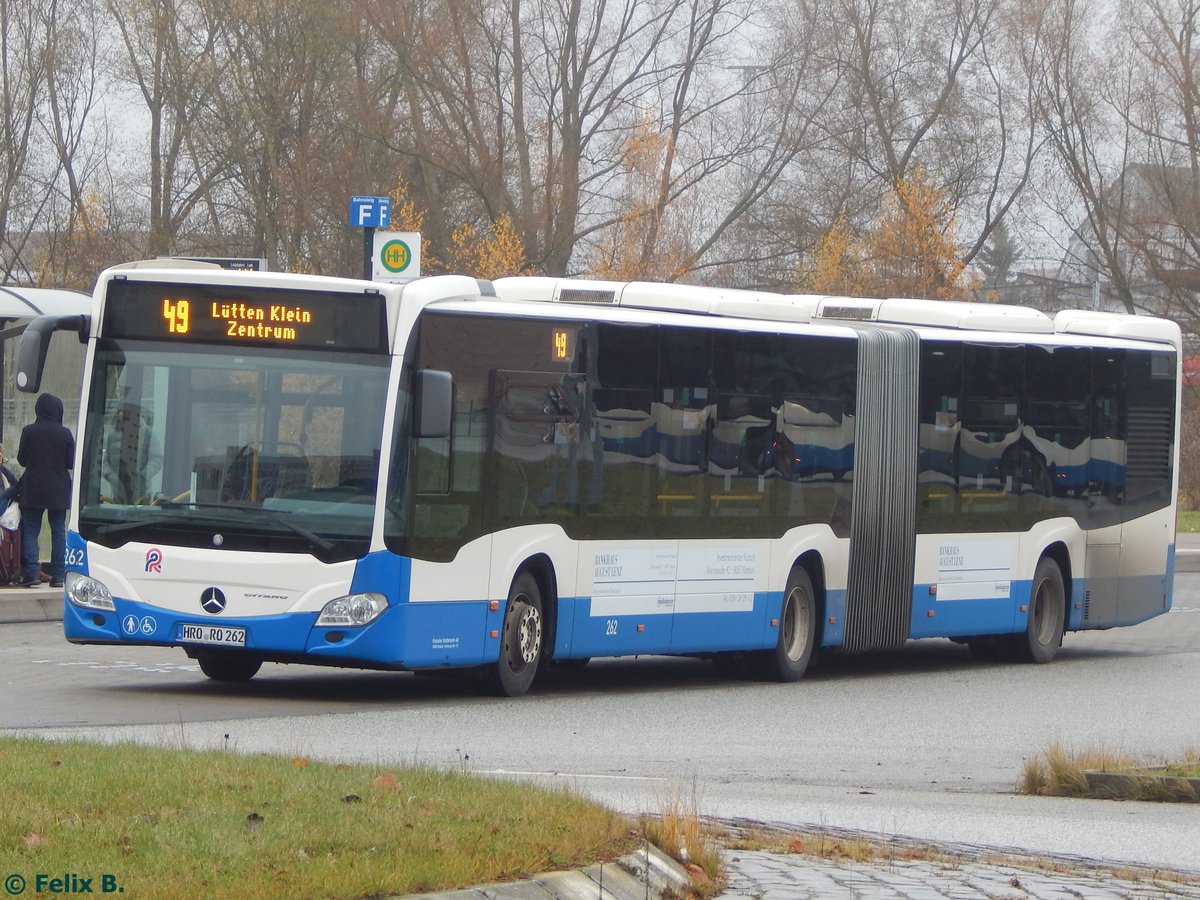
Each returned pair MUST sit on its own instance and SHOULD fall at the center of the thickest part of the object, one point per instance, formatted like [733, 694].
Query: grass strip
[1059, 772]
[184, 823]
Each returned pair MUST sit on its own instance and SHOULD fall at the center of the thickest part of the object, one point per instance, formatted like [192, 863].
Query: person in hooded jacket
[47, 451]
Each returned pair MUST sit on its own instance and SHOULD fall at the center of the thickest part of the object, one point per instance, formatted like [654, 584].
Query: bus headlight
[85, 591]
[353, 610]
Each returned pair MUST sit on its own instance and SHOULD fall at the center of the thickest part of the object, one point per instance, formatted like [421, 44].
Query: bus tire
[520, 640]
[1047, 612]
[228, 667]
[797, 630]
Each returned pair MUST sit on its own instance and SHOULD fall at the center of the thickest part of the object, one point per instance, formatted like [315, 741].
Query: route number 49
[177, 314]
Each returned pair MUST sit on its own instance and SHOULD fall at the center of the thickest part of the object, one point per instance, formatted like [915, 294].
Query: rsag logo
[154, 559]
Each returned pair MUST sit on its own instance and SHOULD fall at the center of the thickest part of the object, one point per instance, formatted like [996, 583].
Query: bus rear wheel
[797, 630]
[1047, 613]
[226, 667]
[520, 641]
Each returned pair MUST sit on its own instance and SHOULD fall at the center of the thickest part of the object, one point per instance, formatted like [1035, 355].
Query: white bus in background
[491, 477]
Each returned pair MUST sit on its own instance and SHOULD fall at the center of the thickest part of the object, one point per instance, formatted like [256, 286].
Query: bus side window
[1106, 465]
[940, 411]
[682, 414]
[1056, 446]
[989, 448]
[623, 425]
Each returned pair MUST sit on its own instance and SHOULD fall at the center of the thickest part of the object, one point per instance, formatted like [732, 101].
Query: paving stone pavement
[781, 876]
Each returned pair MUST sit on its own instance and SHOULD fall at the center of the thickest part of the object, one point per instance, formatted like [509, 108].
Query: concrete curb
[633, 877]
[1163, 788]
[30, 605]
[1187, 560]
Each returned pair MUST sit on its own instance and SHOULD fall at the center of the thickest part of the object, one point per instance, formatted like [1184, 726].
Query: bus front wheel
[1047, 613]
[520, 641]
[226, 667]
[797, 630]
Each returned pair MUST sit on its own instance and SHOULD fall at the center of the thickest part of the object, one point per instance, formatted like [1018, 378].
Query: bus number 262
[610, 627]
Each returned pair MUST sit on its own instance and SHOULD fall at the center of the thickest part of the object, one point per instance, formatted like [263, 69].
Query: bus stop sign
[397, 256]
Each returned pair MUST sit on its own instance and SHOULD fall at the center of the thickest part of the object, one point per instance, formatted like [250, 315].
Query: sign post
[369, 213]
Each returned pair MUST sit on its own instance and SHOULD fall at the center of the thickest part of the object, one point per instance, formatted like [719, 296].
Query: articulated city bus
[495, 476]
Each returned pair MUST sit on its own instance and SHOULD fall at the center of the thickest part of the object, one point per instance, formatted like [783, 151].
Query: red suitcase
[10, 556]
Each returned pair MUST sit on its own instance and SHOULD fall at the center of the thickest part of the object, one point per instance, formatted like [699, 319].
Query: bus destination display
[245, 315]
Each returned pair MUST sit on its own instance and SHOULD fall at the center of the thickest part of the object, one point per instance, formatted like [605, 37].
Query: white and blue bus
[496, 476]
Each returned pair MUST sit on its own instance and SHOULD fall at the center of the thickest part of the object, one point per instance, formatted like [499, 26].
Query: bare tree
[928, 83]
[695, 139]
[1163, 121]
[1078, 87]
[170, 58]
[714, 137]
[22, 195]
[279, 112]
[73, 77]
[529, 109]
[86, 228]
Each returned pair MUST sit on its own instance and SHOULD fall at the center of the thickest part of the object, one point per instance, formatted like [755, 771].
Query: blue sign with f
[370, 212]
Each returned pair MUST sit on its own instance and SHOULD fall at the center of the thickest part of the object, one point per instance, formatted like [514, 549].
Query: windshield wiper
[314, 540]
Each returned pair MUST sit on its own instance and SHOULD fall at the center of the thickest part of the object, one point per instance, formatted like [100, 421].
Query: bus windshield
[269, 449]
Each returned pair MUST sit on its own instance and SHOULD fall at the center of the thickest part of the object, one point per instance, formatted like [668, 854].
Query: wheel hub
[794, 624]
[529, 635]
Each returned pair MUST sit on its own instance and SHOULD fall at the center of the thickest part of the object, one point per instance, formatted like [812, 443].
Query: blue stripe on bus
[961, 618]
[453, 633]
[630, 634]
[1149, 595]
[964, 618]
[833, 627]
[143, 623]
[1169, 586]
[692, 632]
[460, 632]
[1075, 607]
[416, 635]
[386, 573]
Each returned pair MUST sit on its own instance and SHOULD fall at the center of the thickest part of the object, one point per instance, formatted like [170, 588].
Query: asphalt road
[923, 742]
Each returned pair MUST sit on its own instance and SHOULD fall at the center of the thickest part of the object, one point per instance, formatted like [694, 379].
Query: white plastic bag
[11, 517]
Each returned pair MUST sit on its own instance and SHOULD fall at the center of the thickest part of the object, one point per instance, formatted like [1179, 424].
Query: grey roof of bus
[766, 305]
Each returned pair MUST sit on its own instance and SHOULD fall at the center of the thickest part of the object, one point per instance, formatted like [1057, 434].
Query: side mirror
[35, 342]
[433, 393]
